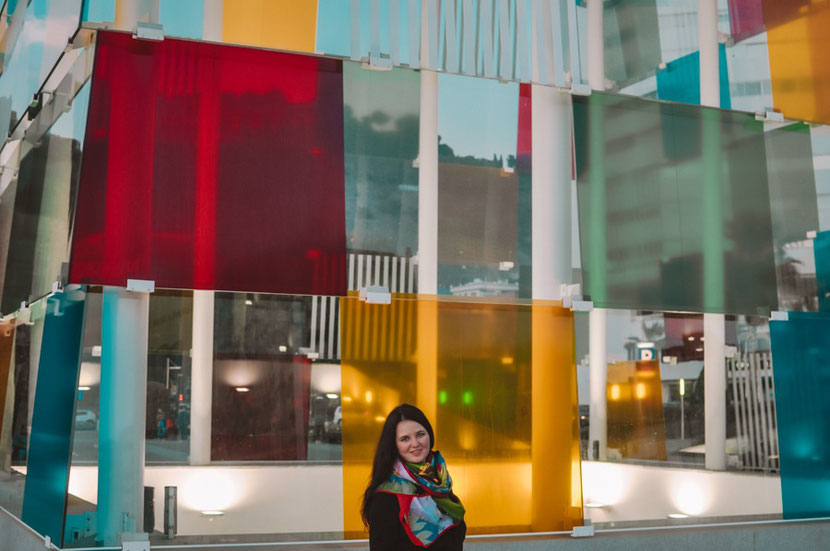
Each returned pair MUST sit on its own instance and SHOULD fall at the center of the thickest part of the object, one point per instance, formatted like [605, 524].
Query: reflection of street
[319, 451]
[85, 449]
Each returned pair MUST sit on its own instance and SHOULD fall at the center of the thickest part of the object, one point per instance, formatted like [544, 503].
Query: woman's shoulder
[383, 504]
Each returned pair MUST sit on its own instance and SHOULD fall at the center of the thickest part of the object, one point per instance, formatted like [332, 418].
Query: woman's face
[412, 440]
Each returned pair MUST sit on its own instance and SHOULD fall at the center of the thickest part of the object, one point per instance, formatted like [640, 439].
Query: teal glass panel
[680, 80]
[674, 209]
[183, 18]
[99, 10]
[821, 248]
[47, 26]
[801, 369]
[380, 124]
[335, 27]
[50, 444]
[478, 187]
[41, 204]
[792, 190]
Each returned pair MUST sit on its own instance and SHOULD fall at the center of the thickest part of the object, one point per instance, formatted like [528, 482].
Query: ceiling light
[677, 515]
[83, 388]
[595, 505]
[242, 389]
[249, 302]
[283, 348]
[212, 513]
[332, 396]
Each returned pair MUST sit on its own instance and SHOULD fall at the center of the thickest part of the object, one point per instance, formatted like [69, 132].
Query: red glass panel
[746, 18]
[212, 167]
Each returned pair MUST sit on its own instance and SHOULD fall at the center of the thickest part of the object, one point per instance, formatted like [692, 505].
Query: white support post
[598, 318]
[122, 414]
[201, 389]
[551, 191]
[428, 176]
[714, 325]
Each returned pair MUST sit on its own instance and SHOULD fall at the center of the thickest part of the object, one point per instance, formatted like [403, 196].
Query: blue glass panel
[680, 80]
[801, 369]
[821, 250]
[50, 445]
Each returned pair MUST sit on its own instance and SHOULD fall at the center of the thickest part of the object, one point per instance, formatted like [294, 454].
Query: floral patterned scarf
[427, 486]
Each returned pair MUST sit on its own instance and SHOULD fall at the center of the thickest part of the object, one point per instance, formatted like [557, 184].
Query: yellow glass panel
[499, 385]
[277, 24]
[799, 69]
[636, 426]
[6, 351]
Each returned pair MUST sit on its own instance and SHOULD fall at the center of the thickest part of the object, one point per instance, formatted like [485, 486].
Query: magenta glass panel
[746, 18]
[212, 167]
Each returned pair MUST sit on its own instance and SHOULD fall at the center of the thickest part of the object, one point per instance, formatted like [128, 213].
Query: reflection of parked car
[85, 419]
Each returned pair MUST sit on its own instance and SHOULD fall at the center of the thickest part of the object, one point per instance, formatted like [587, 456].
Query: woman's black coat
[387, 534]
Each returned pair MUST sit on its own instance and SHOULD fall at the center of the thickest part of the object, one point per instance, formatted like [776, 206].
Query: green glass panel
[673, 207]
[794, 211]
[801, 369]
[632, 40]
[380, 122]
[478, 187]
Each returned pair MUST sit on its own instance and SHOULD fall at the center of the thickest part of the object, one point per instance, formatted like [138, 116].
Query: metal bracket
[585, 531]
[579, 89]
[812, 234]
[769, 116]
[141, 285]
[379, 62]
[149, 31]
[779, 315]
[375, 294]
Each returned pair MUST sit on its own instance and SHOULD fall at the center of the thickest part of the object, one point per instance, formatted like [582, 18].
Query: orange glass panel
[636, 426]
[499, 385]
[277, 24]
[6, 350]
[799, 69]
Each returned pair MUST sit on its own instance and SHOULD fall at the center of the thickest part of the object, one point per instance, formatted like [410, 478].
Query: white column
[596, 47]
[428, 172]
[551, 191]
[201, 385]
[212, 20]
[122, 413]
[598, 318]
[714, 361]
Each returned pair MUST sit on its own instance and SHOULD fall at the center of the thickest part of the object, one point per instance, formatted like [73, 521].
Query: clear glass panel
[820, 136]
[654, 394]
[30, 54]
[674, 207]
[381, 129]
[802, 375]
[497, 382]
[478, 125]
[43, 199]
[159, 164]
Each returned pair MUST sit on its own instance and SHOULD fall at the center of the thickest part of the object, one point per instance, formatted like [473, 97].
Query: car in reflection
[85, 419]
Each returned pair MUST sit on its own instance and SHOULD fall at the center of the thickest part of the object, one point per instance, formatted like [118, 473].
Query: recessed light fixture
[83, 388]
[594, 505]
[249, 302]
[677, 515]
[283, 348]
[331, 396]
[212, 513]
[242, 389]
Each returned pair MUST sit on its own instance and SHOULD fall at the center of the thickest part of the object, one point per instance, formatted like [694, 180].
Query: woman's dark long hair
[387, 450]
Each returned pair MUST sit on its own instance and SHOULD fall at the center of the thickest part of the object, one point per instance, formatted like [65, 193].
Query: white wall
[634, 492]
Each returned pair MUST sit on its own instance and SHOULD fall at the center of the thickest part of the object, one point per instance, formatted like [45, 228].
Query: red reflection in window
[212, 167]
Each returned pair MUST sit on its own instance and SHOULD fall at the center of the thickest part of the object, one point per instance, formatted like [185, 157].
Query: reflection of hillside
[447, 155]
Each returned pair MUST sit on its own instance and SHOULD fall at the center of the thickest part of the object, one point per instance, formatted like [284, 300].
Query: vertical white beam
[201, 390]
[551, 191]
[598, 318]
[713, 324]
[123, 403]
[707, 34]
[212, 20]
[428, 176]
[596, 47]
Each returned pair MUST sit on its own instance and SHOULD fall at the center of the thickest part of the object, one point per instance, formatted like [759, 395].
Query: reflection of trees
[447, 155]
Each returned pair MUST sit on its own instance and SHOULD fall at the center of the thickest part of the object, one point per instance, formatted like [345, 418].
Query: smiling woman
[409, 503]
